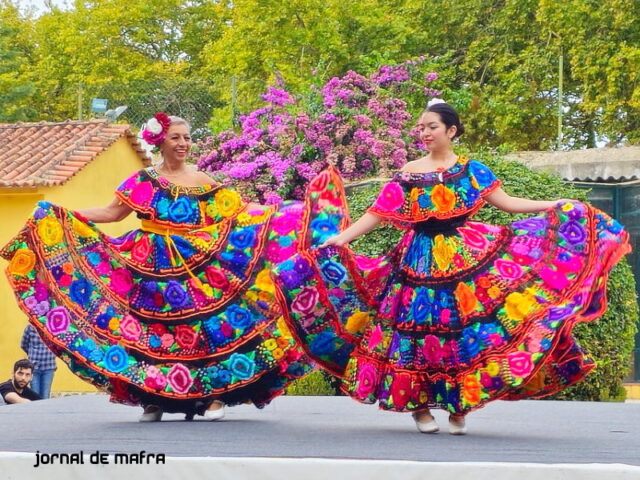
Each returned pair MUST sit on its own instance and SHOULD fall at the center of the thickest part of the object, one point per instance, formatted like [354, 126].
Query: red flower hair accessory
[156, 128]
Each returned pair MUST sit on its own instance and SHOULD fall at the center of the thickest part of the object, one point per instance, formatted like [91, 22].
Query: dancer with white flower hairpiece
[460, 313]
[178, 315]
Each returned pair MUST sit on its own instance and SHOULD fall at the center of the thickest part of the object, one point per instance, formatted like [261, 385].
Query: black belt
[434, 226]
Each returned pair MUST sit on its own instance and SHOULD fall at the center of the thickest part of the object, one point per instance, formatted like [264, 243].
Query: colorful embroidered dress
[460, 312]
[179, 312]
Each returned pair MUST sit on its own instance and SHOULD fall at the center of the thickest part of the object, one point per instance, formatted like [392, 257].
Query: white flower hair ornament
[155, 130]
[435, 101]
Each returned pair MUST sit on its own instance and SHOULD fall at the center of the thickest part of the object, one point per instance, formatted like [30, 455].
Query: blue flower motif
[424, 201]
[421, 306]
[472, 195]
[242, 366]
[323, 343]
[239, 317]
[80, 291]
[96, 355]
[115, 359]
[181, 211]
[175, 295]
[162, 253]
[334, 272]
[486, 330]
[295, 369]
[471, 342]
[285, 242]
[481, 172]
[163, 207]
[218, 337]
[614, 227]
[324, 228]
[184, 246]
[222, 378]
[154, 341]
[94, 258]
[243, 238]
[103, 320]
[235, 261]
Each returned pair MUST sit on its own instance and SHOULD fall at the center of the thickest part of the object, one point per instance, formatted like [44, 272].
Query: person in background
[16, 390]
[44, 362]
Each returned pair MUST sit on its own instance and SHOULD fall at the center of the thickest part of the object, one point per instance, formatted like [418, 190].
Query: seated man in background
[16, 390]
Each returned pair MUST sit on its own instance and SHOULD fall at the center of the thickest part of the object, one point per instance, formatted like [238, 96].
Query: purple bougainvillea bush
[362, 125]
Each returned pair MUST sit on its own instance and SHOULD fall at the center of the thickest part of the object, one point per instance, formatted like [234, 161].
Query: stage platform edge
[17, 465]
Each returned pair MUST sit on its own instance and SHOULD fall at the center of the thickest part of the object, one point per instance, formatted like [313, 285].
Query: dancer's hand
[336, 240]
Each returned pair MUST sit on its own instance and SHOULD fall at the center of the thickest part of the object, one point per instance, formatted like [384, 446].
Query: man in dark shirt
[15, 390]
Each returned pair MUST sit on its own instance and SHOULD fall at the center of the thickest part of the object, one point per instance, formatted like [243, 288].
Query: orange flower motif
[471, 390]
[22, 262]
[494, 292]
[484, 282]
[443, 198]
[467, 301]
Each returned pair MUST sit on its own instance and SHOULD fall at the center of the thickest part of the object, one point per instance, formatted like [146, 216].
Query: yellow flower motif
[519, 305]
[82, 229]
[494, 292]
[22, 262]
[199, 243]
[206, 289]
[228, 202]
[264, 282]
[357, 322]
[493, 368]
[252, 295]
[114, 323]
[50, 231]
[282, 328]
[567, 207]
[271, 344]
[277, 354]
[244, 219]
[211, 210]
[443, 252]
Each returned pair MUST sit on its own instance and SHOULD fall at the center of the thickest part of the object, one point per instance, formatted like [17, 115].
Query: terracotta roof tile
[48, 154]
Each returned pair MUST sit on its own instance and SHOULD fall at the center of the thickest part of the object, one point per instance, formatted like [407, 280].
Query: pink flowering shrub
[362, 125]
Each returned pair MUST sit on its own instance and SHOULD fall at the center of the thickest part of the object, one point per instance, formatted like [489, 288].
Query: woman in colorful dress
[179, 315]
[460, 312]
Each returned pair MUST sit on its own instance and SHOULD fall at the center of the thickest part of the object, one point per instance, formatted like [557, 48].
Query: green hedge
[610, 340]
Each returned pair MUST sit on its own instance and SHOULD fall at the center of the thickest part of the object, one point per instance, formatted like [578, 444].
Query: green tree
[15, 93]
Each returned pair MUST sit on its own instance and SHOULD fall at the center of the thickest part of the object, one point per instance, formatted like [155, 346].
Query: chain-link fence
[191, 99]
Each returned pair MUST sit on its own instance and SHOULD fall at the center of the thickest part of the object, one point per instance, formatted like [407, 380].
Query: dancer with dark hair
[460, 313]
[179, 315]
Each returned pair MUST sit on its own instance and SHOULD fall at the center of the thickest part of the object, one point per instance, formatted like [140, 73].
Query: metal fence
[192, 100]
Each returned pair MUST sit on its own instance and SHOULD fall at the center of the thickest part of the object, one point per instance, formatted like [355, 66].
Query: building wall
[92, 186]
